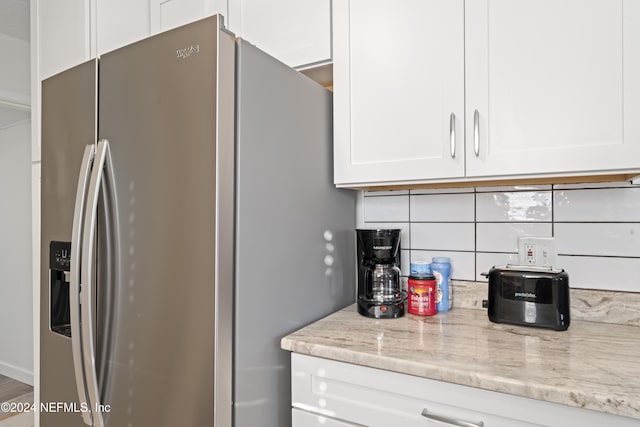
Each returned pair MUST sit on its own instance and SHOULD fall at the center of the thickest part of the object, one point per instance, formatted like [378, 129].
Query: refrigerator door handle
[110, 272]
[74, 279]
[87, 275]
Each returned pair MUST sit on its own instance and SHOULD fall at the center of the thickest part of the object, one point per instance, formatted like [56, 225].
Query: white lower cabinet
[302, 418]
[330, 393]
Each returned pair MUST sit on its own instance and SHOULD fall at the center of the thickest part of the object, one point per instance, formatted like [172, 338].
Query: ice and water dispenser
[59, 263]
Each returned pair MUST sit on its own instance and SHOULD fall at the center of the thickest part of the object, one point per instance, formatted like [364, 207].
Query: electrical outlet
[537, 251]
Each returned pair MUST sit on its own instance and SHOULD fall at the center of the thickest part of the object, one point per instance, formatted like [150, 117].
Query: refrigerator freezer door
[158, 109]
[295, 230]
[68, 126]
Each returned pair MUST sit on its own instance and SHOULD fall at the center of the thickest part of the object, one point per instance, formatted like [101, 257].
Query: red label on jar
[422, 297]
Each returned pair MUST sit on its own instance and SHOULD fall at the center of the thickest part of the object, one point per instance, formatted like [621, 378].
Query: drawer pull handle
[476, 133]
[452, 134]
[449, 420]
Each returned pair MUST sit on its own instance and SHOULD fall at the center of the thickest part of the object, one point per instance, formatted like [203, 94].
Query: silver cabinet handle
[476, 133]
[87, 273]
[74, 279]
[449, 420]
[452, 134]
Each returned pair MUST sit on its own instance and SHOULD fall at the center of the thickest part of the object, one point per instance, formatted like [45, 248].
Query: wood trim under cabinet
[499, 182]
[322, 75]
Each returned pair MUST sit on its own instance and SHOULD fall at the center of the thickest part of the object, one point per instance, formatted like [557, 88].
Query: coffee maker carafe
[379, 287]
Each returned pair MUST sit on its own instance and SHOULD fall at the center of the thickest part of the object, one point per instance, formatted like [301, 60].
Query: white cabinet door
[65, 35]
[296, 32]
[15, 85]
[376, 398]
[556, 84]
[121, 22]
[307, 419]
[398, 90]
[167, 14]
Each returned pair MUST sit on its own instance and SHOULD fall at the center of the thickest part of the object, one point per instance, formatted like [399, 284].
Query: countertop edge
[606, 403]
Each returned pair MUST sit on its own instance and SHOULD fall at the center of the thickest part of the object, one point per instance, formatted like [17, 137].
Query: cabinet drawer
[374, 397]
[307, 419]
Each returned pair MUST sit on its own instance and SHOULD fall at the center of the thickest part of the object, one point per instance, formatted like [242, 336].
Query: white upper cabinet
[121, 22]
[64, 35]
[167, 14]
[72, 31]
[556, 85]
[540, 88]
[15, 85]
[398, 90]
[296, 32]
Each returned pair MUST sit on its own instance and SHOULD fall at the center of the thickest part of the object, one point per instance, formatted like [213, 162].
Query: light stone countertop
[592, 365]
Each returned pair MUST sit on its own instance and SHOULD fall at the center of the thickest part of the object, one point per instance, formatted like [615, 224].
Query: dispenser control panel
[59, 255]
[59, 263]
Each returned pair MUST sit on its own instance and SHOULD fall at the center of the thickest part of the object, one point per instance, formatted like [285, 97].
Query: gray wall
[16, 289]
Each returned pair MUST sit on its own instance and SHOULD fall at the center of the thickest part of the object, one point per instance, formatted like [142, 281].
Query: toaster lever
[485, 303]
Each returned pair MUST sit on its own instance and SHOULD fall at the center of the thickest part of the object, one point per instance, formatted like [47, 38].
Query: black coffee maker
[379, 289]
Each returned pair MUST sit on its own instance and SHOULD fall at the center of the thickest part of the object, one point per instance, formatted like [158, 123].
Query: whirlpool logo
[186, 52]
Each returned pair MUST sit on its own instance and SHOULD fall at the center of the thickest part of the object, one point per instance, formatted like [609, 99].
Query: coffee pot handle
[367, 273]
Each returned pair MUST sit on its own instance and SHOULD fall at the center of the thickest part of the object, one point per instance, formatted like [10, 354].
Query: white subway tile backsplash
[462, 263]
[442, 207]
[442, 236]
[386, 209]
[503, 236]
[513, 188]
[405, 236]
[620, 184]
[484, 262]
[607, 205]
[405, 262]
[605, 239]
[386, 193]
[513, 206]
[596, 227]
[612, 274]
[443, 190]
[420, 255]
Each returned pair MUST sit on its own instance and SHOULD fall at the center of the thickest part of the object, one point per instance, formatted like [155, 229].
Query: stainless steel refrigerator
[189, 221]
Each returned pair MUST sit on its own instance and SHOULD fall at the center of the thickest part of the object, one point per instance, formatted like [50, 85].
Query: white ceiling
[14, 18]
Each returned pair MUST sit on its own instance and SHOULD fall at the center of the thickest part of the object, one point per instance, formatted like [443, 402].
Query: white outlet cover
[540, 251]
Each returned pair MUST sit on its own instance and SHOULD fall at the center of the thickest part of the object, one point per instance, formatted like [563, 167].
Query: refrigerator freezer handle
[87, 274]
[74, 279]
